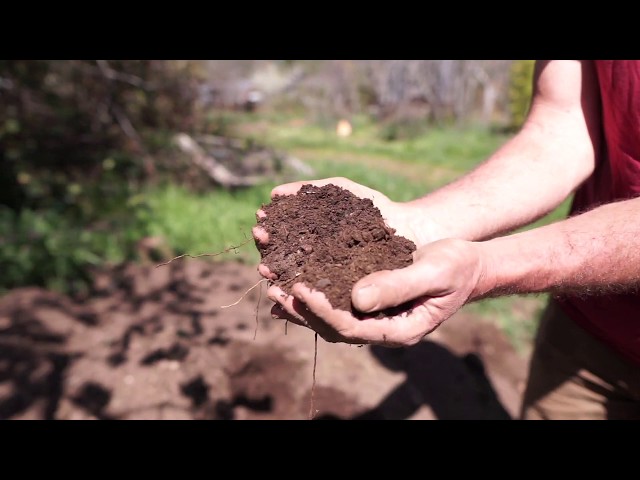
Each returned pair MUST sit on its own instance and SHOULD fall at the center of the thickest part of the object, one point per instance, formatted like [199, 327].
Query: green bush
[77, 138]
[48, 248]
[520, 90]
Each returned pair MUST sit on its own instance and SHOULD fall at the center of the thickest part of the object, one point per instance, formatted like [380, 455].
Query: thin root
[255, 332]
[226, 250]
[245, 294]
[290, 280]
[312, 411]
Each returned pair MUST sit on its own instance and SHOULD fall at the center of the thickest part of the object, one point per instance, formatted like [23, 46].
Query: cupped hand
[395, 214]
[312, 309]
[445, 275]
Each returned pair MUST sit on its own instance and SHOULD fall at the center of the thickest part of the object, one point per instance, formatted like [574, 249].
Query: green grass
[395, 186]
[206, 223]
[454, 149]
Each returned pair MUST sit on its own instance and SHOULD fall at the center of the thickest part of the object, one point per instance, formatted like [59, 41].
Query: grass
[206, 223]
[455, 150]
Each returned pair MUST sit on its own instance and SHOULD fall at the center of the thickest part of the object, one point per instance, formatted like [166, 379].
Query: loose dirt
[329, 238]
[154, 343]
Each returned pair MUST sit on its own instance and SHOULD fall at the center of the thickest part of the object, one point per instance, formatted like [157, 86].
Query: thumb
[390, 288]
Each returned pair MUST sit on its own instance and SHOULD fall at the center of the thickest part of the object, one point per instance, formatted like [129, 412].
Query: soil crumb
[329, 238]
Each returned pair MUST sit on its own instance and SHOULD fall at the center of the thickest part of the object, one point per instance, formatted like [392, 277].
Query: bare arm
[595, 252]
[554, 152]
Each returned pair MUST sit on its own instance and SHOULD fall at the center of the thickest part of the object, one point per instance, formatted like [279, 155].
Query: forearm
[596, 252]
[524, 180]
[535, 171]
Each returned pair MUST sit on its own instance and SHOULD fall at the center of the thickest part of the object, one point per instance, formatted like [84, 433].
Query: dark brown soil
[154, 343]
[329, 238]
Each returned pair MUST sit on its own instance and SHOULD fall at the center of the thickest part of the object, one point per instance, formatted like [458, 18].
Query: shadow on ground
[452, 387]
[155, 343]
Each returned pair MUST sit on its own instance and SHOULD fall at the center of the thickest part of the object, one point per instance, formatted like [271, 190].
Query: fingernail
[366, 298]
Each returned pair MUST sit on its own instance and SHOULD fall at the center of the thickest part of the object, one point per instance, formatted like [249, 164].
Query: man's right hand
[405, 219]
[445, 275]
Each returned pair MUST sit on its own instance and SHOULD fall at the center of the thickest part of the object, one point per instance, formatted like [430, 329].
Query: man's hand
[430, 282]
[405, 220]
[444, 276]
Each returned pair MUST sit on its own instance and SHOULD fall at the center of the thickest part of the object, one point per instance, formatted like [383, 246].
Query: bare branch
[112, 74]
[127, 127]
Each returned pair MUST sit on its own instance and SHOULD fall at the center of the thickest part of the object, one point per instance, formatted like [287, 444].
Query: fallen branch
[218, 172]
[112, 74]
[217, 141]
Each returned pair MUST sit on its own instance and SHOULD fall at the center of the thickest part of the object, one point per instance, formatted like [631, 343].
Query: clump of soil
[329, 238]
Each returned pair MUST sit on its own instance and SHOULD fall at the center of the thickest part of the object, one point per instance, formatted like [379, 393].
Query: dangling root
[313, 384]
[255, 332]
[233, 247]
[245, 294]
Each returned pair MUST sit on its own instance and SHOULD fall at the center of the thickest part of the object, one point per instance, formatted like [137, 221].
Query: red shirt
[615, 319]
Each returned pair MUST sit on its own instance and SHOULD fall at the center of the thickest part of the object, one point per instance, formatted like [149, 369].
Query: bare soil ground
[154, 343]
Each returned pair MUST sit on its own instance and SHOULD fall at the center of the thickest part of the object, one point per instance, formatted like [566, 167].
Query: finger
[276, 294]
[390, 288]
[331, 324]
[266, 273]
[287, 303]
[260, 214]
[401, 330]
[287, 189]
[301, 315]
[277, 311]
[280, 313]
[260, 234]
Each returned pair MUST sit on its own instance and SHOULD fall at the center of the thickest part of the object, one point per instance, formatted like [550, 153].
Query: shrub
[77, 139]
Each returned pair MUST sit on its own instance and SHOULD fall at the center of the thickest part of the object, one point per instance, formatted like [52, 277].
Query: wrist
[487, 280]
[422, 227]
[510, 267]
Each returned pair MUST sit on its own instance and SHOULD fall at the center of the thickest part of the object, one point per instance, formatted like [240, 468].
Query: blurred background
[109, 167]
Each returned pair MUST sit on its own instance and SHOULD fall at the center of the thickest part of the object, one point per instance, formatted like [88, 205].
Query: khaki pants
[574, 376]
